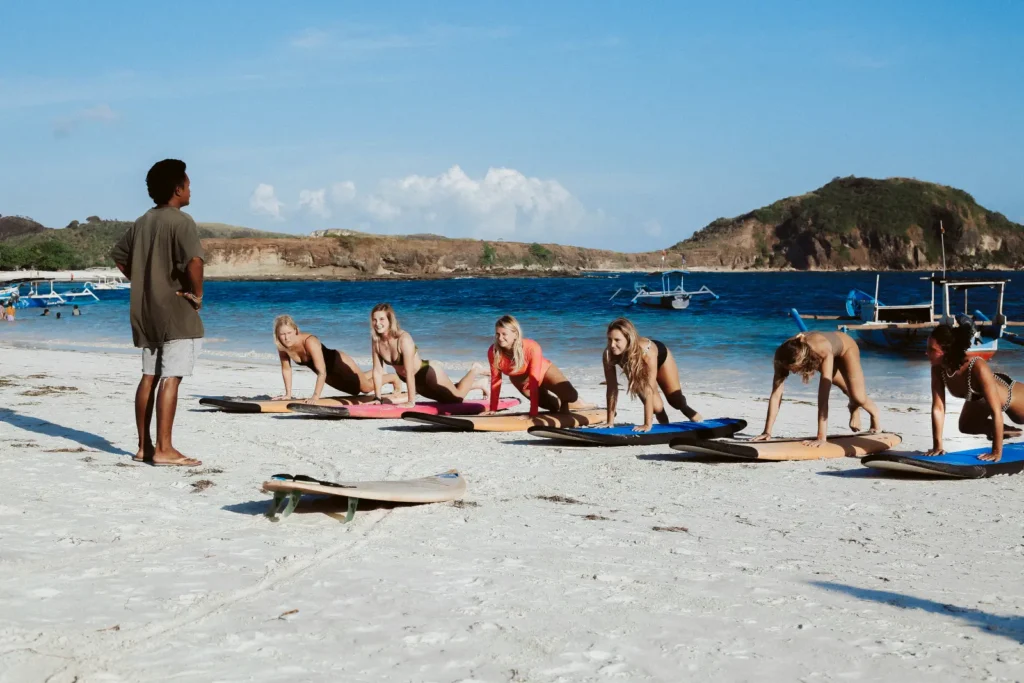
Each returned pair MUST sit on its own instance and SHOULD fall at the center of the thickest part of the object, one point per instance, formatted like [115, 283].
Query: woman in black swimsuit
[332, 367]
[391, 345]
[648, 366]
[986, 394]
[837, 357]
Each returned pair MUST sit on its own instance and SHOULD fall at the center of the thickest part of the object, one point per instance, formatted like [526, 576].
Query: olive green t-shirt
[154, 252]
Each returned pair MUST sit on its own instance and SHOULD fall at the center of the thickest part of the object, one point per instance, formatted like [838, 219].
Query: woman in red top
[530, 372]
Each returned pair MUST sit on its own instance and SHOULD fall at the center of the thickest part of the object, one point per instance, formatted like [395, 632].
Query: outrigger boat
[37, 299]
[676, 298]
[80, 298]
[907, 327]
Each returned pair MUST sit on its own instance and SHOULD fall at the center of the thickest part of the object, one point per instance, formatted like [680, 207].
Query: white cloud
[265, 201]
[315, 201]
[504, 203]
[101, 113]
[343, 192]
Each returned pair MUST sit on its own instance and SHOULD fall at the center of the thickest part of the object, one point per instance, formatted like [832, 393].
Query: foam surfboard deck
[288, 490]
[960, 464]
[509, 423]
[623, 435]
[247, 405]
[839, 446]
[393, 411]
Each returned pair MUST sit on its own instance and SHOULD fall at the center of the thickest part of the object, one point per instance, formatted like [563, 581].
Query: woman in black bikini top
[648, 366]
[333, 367]
[987, 395]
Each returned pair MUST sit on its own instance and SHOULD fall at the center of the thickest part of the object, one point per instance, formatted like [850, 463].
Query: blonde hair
[394, 331]
[634, 365]
[283, 321]
[795, 355]
[518, 355]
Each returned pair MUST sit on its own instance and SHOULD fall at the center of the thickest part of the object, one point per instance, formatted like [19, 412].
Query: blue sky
[607, 124]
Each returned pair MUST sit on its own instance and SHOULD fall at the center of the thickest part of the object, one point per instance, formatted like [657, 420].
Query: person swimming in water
[530, 372]
[837, 357]
[391, 345]
[987, 395]
[648, 366]
[332, 367]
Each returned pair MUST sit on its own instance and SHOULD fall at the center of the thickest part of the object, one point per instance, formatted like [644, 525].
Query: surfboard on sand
[288, 489]
[959, 465]
[514, 422]
[839, 446]
[623, 435]
[255, 405]
[394, 411]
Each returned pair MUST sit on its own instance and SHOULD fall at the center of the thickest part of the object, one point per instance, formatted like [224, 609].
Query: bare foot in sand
[855, 423]
[145, 453]
[172, 457]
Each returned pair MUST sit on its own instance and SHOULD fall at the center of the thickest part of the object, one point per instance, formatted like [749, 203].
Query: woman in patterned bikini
[987, 395]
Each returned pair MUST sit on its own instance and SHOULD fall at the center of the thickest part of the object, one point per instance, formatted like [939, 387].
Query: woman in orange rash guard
[530, 372]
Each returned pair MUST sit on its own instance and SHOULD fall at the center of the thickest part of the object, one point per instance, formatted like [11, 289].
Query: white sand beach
[561, 563]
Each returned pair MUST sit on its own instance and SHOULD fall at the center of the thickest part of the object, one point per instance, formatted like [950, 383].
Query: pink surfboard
[389, 411]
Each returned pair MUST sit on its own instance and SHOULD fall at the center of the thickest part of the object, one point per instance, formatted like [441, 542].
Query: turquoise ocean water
[726, 343]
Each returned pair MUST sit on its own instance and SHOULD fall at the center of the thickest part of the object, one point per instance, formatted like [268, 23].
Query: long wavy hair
[394, 331]
[517, 355]
[283, 321]
[954, 342]
[795, 355]
[634, 365]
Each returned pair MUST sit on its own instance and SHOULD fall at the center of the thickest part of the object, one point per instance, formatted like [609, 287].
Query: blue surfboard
[623, 435]
[959, 465]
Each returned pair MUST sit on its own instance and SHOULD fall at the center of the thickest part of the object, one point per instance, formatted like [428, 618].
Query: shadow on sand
[1007, 626]
[332, 506]
[46, 428]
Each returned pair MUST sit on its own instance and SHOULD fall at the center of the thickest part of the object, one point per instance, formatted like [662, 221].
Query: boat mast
[942, 238]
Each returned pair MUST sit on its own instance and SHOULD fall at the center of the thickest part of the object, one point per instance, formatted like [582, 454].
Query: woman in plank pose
[391, 345]
[648, 366]
[530, 372]
[332, 367]
[987, 395]
[836, 356]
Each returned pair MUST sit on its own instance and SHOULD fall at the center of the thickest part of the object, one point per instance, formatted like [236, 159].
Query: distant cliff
[361, 255]
[891, 224]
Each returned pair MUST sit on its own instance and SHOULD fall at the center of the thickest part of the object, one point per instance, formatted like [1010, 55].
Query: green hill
[862, 223]
[25, 243]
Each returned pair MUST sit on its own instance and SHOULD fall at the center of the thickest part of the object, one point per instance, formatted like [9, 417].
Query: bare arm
[824, 389]
[774, 403]
[194, 276]
[409, 361]
[611, 381]
[286, 375]
[983, 374]
[938, 411]
[650, 392]
[316, 353]
[377, 371]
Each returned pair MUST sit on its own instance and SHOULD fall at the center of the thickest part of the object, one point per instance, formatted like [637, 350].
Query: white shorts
[175, 358]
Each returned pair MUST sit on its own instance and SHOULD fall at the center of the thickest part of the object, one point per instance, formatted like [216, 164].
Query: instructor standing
[162, 257]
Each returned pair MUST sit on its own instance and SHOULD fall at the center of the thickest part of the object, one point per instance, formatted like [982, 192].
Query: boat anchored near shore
[676, 298]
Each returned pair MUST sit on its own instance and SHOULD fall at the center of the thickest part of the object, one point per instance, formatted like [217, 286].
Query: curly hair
[164, 178]
[954, 342]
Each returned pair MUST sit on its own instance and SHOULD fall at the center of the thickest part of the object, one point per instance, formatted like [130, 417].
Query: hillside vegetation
[862, 223]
